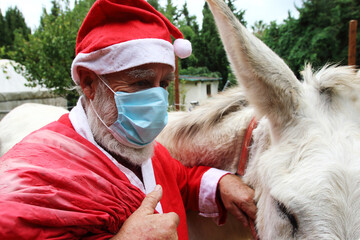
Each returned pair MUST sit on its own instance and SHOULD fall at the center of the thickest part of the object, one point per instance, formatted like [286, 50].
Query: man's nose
[156, 83]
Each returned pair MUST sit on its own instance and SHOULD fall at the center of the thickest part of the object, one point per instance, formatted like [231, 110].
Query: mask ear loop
[92, 105]
[103, 80]
[98, 116]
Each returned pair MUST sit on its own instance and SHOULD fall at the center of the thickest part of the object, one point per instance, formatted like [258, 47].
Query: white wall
[9, 101]
[14, 92]
[196, 91]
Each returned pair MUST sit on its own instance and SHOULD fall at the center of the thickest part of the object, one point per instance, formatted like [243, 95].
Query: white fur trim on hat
[125, 55]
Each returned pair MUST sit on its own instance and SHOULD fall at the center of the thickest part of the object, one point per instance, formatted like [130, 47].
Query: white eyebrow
[149, 73]
[142, 73]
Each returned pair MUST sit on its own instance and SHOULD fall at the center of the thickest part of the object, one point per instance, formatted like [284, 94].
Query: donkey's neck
[210, 135]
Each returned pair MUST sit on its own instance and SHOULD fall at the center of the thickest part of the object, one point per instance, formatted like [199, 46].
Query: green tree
[155, 4]
[190, 28]
[190, 20]
[3, 31]
[48, 54]
[171, 12]
[11, 24]
[238, 13]
[318, 36]
[15, 22]
[209, 48]
[55, 11]
[259, 28]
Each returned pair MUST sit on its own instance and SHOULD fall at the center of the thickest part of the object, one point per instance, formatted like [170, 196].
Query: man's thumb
[151, 200]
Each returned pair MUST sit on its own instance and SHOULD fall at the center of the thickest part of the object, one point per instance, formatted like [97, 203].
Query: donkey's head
[305, 164]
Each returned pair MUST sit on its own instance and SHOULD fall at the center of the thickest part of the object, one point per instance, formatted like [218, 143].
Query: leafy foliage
[13, 23]
[208, 46]
[49, 52]
[199, 71]
[155, 4]
[319, 35]
[258, 28]
[190, 28]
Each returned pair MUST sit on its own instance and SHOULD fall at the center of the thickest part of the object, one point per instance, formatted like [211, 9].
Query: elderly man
[97, 173]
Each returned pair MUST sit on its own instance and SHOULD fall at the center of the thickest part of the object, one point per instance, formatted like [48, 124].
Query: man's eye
[164, 84]
[141, 83]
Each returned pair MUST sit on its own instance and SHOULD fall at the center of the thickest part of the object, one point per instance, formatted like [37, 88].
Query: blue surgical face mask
[141, 117]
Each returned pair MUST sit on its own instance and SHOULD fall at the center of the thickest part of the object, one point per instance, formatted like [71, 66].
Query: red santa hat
[120, 34]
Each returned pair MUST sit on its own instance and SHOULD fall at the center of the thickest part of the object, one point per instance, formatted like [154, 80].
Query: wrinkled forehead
[146, 71]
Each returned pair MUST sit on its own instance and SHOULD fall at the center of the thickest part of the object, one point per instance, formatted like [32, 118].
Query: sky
[266, 10]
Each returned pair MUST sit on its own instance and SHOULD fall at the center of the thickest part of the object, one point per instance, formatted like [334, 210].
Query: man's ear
[88, 82]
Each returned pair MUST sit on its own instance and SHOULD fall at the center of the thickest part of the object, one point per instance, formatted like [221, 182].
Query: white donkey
[304, 160]
[23, 120]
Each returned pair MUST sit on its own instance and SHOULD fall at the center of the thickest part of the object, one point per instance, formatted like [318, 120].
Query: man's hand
[144, 224]
[237, 198]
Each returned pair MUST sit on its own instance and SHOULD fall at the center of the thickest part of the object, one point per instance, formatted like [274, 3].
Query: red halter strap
[244, 156]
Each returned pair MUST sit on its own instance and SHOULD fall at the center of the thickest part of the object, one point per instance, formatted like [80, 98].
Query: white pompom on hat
[182, 48]
[120, 34]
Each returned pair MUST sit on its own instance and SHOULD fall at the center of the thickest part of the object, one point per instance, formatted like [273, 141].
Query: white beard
[105, 106]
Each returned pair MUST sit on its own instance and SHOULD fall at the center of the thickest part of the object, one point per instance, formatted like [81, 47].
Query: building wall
[14, 91]
[9, 101]
[197, 91]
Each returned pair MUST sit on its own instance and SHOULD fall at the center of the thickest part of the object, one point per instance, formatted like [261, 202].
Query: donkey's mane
[212, 112]
[198, 137]
[337, 89]
[333, 79]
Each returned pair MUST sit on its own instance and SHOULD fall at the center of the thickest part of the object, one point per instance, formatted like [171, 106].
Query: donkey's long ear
[269, 83]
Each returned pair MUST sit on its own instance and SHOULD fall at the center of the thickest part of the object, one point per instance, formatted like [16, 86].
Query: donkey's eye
[290, 216]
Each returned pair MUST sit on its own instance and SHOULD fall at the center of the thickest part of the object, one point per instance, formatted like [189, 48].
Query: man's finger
[173, 217]
[151, 200]
[251, 211]
[239, 215]
[248, 207]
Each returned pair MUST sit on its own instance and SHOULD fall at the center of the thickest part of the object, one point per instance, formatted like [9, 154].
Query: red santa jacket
[56, 184]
